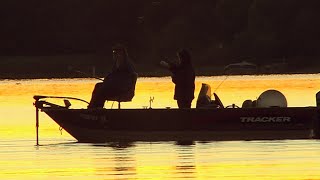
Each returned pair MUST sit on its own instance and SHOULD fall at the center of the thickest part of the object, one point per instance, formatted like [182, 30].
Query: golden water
[60, 157]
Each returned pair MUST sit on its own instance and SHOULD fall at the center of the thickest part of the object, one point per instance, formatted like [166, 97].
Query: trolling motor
[317, 119]
[39, 104]
[318, 99]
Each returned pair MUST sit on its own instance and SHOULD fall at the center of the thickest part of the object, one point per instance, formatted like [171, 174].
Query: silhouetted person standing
[183, 76]
[117, 85]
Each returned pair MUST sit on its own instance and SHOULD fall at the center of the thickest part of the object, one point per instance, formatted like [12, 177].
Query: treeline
[217, 32]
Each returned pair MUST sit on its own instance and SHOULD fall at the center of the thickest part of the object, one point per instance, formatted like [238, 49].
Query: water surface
[60, 157]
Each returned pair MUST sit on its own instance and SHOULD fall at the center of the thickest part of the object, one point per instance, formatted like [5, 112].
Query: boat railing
[38, 97]
[40, 101]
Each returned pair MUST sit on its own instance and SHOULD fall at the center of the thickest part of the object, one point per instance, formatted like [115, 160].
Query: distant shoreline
[143, 74]
[40, 67]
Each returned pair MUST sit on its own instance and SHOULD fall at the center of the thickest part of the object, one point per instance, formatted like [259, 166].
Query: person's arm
[164, 64]
[169, 65]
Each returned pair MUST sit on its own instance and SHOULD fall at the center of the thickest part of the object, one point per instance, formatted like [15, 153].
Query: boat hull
[103, 125]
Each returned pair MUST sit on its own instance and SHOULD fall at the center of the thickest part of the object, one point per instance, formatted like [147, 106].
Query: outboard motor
[272, 98]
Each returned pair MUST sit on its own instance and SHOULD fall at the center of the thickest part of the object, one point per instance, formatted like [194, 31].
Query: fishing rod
[86, 74]
[80, 72]
[227, 75]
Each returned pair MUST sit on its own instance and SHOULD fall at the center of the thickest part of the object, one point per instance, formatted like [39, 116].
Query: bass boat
[267, 118]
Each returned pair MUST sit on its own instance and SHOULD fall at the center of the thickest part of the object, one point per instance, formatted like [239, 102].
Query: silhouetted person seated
[119, 85]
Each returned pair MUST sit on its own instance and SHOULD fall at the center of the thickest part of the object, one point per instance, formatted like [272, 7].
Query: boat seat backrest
[204, 97]
[125, 94]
